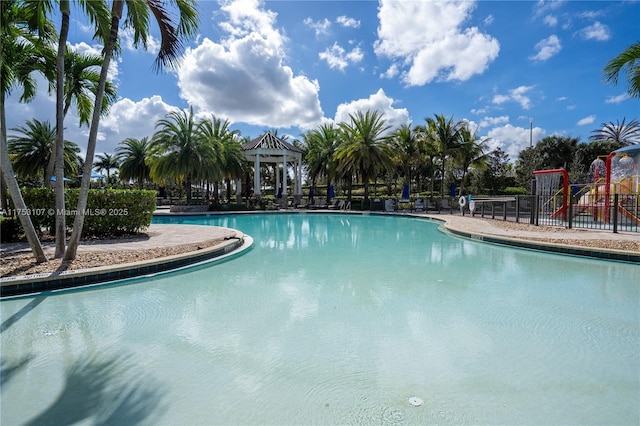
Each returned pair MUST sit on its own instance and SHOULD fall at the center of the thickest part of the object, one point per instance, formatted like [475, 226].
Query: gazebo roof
[270, 142]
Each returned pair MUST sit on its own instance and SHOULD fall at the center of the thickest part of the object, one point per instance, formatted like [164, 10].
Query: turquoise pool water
[335, 319]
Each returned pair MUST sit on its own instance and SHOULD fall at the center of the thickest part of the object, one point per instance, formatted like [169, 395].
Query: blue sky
[293, 65]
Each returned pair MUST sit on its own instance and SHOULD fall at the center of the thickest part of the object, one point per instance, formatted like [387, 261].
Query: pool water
[334, 319]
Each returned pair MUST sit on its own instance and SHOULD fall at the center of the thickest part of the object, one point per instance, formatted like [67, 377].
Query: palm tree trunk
[78, 223]
[14, 190]
[61, 229]
[3, 193]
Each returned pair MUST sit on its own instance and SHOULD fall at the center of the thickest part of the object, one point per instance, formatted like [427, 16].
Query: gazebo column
[284, 176]
[256, 177]
[275, 170]
[239, 191]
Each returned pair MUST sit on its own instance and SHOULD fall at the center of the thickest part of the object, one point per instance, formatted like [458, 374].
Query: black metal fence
[613, 212]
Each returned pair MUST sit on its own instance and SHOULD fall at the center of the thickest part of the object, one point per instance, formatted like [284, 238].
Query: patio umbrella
[94, 175]
[332, 192]
[405, 191]
[279, 193]
[452, 189]
[64, 179]
[311, 192]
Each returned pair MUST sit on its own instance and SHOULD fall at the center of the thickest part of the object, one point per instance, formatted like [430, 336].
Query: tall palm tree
[628, 61]
[365, 149]
[132, 156]
[23, 50]
[106, 162]
[446, 134]
[406, 146]
[321, 145]
[470, 152]
[625, 134]
[232, 161]
[171, 33]
[32, 150]
[179, 151]
[97, 12]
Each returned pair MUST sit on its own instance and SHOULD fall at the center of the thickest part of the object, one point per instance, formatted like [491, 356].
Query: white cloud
[319, 27]
[550, 20]
[513, 139]
[493, 121]
[617, 99]
[391, 72]
[430, 39]
[244, 78]
[587, 120]
[339, 58]
[347, 22]
[83, 48]
[596, 31]
[516, 95]
[126, 35]
[380, 102]
[546, 48]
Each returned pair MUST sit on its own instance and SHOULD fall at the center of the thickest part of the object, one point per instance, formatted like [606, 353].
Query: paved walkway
[157, 236]
[476, 225]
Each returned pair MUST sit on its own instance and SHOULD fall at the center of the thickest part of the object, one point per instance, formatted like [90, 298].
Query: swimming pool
[335, 319]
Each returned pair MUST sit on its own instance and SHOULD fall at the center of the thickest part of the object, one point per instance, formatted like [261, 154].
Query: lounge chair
[445, 205]
[389, 205]
[419, 205]
[337, 205]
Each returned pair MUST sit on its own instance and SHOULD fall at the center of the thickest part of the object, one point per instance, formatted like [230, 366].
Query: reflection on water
[335, 319]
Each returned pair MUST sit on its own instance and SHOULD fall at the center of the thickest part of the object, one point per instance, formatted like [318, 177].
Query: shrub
[9, 229]
[516, 190]
[109, 212]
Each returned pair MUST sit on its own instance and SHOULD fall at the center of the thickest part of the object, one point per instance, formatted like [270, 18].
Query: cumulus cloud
[339, 58]
[83, 48]
[516, 95]
[587, 120]
[430, 39]
[319, 27]
[493, 121]
[617, 99]
[347, 22]
[550, 20]
[596, 31]
[513, 139]
[547, 48]
[244, 77]
[378, 101]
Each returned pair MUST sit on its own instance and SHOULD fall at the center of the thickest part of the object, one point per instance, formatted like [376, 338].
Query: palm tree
[180, 151]
[446, 135]
[22, 52]
[365, 149]
[406, 144]
[171, 33]
[106, 162]
[625, 134]
[132, 155]
[470, 152]
[31, 152]
[321, 145]
[628, 61]
[98, 14]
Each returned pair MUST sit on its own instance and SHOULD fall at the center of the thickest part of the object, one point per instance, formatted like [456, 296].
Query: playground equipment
[547, 183]
[615, 180]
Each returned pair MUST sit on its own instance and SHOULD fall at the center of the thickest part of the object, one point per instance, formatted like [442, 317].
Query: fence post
[615, 213]
[517, 209]
[570, 212]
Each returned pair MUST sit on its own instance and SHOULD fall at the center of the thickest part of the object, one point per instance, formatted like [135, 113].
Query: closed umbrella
[332, 192]
[311, 193]
[405, 191]
[279, 193]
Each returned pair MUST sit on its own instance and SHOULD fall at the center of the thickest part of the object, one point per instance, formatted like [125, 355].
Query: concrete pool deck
[230, 241]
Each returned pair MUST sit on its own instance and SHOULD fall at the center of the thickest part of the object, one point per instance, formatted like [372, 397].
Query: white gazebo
[269, 148]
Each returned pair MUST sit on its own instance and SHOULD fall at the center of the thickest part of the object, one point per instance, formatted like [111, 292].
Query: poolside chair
[445, 205]
[419, 205]
[337, 205]
[389, 205]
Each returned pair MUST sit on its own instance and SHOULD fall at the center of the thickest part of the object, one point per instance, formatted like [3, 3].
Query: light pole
[530, 132]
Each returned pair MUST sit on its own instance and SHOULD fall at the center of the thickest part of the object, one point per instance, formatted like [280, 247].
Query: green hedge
[109, 212]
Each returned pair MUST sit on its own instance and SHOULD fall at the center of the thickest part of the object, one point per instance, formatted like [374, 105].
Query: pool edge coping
[23, 285]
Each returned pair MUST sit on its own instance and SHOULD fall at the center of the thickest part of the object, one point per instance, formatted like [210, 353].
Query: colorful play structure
[616, 185]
